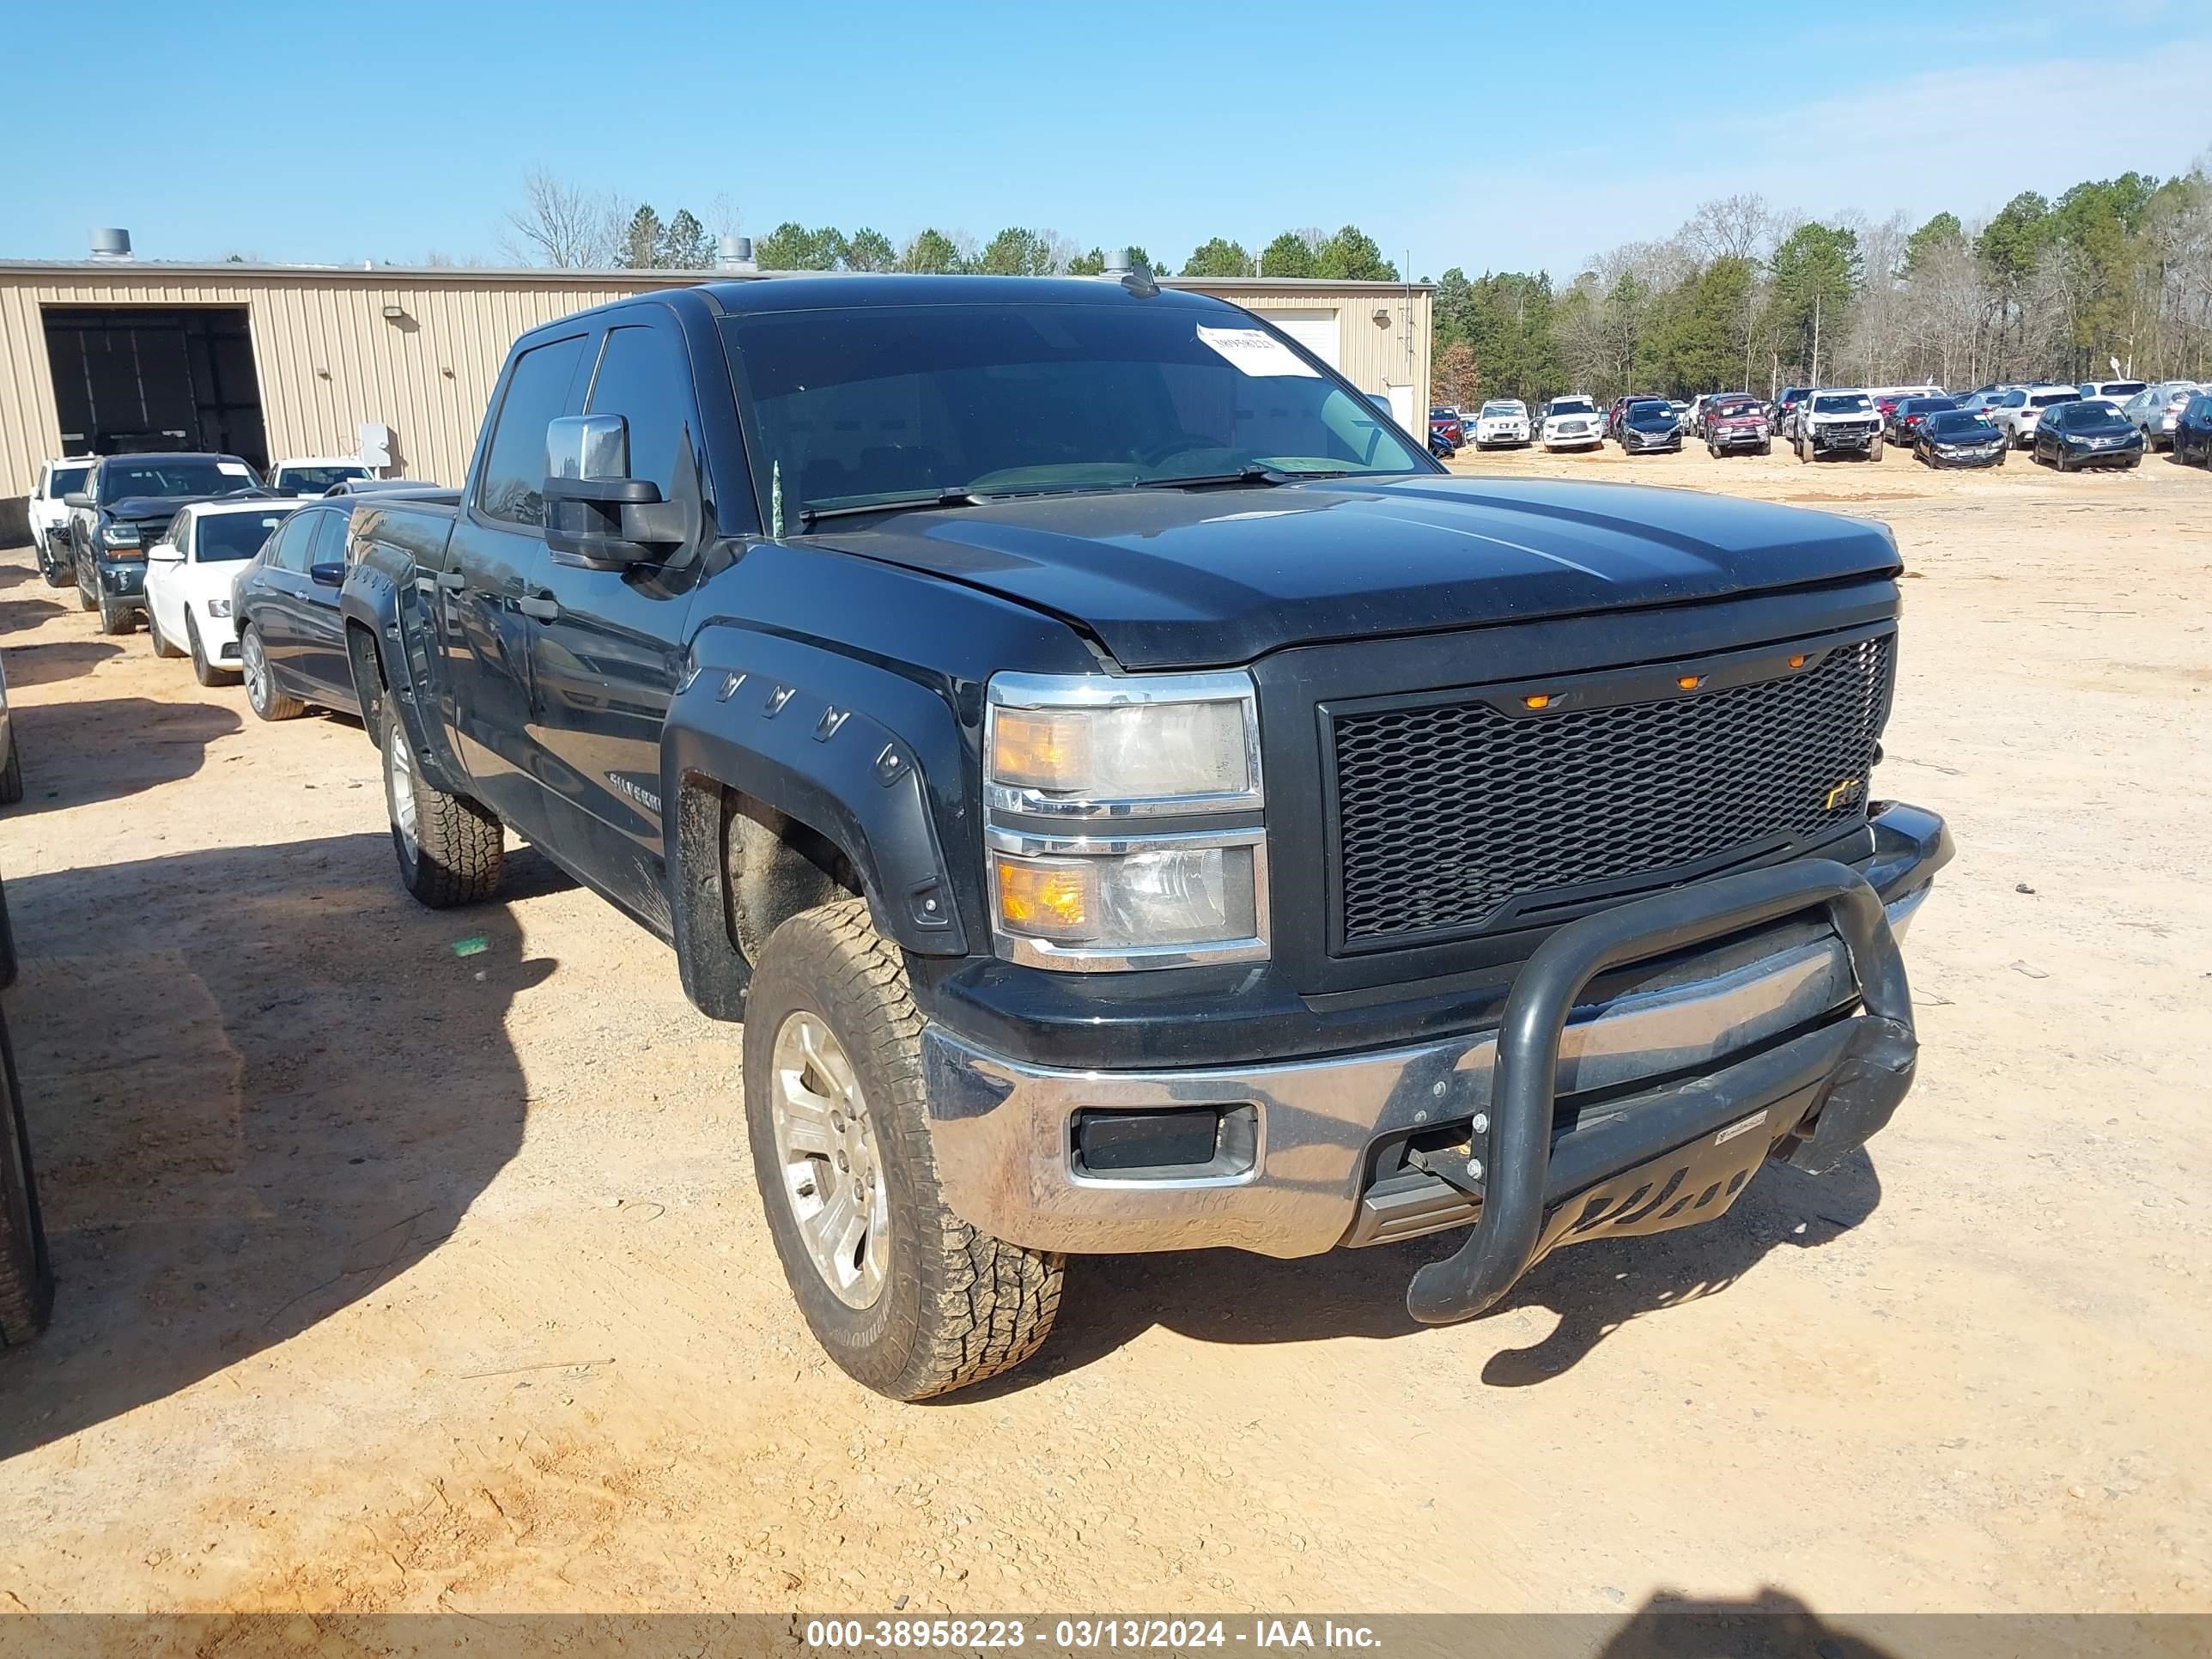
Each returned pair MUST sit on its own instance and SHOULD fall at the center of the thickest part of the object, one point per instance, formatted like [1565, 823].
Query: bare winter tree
[1734, 228]
[565, 226]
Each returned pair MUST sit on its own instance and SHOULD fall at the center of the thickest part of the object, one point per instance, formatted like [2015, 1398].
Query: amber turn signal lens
[1690, 682]
[1537, 702]
[1045, 900]
[1797, 662]
[1044, 749]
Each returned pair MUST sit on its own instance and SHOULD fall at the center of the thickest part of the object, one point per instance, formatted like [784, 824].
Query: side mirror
[77, 498]
[595, 513]
[163, 553]
[326, 576]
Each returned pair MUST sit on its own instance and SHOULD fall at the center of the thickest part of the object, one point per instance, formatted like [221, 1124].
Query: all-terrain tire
[26, 1281]
[1873, 451]
[57, 573]
[261, 695]
[956, 1305]
[115, 618]
[457, 848]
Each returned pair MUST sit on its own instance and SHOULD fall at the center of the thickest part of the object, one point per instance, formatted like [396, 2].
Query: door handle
[453, 580]
[538, 609]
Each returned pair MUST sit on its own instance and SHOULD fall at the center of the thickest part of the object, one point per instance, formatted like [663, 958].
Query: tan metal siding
[327, 359]
[324, 355]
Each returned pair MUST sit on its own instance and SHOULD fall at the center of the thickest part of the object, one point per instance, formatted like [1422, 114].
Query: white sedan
[1503, 421]
[188, 576]
[1572, 423]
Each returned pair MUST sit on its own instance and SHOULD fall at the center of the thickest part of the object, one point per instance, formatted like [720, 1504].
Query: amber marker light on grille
[1539, 700]
[1690, 682]
[1045, 900]
[1797, 662]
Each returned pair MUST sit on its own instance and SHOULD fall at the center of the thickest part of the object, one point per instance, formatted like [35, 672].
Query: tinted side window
[537, 393]
[329, 545]
[642, 376]
[293, 541]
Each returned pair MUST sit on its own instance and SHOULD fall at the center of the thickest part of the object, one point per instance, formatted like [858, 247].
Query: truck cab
[973, 683]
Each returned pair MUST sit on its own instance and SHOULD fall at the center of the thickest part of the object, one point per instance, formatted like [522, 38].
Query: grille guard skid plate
[1834, 1087]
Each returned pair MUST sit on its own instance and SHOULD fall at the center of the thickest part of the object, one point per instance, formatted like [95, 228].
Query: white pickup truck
[49, 515]
[1837, 421]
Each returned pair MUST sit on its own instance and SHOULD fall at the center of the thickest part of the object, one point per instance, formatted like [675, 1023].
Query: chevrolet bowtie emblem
[1842, 795]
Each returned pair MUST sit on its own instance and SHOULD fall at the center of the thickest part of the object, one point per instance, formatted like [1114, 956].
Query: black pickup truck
[1137, 800]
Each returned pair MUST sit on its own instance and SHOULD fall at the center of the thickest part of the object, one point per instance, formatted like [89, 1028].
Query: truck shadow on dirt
[18, 615]
[98, 749]
[1774, 1623]
[1216, 1296]
[55, 660]
[260, 1085]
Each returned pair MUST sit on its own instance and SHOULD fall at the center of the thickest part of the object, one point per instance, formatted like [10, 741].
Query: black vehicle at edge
[2090, 433]
[126, 504]
[1959, 437]
[1104, 858]
[2192, 432]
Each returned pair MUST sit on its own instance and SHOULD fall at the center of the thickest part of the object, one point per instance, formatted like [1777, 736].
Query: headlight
[1109, 749]
[120, 535]
[1100, 746]
[218, 607]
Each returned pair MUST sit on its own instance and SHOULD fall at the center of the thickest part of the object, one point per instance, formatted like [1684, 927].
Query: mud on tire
[454, 850]
[956, 1306]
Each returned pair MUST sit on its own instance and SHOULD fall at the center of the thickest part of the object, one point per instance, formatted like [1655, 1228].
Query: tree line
[562, 225]
[1744, 296]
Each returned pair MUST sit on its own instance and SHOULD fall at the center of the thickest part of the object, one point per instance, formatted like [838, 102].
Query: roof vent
[1132, 274]
[736, 253]
[109, 243]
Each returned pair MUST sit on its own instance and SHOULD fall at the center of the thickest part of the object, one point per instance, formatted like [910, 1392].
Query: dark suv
[1137, 800]
[122, 510]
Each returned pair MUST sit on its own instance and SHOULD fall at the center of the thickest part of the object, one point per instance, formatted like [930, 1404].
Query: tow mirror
[595, 511]
[77, 498]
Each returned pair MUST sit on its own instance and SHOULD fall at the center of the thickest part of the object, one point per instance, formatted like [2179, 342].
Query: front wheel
[261, 695]
[203, 669]
[115, 618]
[451, 849]
[908, 1298]
[157, 638]
[1874, 452]
[57, 573]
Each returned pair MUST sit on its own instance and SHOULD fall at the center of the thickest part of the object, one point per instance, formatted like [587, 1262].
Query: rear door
[320, 652]
[607, 642]
[495, 562]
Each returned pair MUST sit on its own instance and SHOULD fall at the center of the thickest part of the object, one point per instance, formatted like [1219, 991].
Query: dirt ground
[392, 1277]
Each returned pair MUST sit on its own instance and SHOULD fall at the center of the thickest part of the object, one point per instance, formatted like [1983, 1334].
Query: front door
[494, 564]
[607, 642]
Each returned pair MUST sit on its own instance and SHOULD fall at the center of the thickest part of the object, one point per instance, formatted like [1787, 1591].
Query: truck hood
[1187, 579]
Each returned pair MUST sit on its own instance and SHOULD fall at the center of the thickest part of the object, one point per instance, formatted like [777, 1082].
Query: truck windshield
[119, 482]
[868, 402]
[1843, 403]
[314, 480]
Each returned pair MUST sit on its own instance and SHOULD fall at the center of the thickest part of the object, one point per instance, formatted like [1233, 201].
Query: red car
[1446, 423]
[1737, 424]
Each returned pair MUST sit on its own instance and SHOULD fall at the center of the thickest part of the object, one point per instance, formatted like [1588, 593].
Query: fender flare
[370, 599]
[850, 749]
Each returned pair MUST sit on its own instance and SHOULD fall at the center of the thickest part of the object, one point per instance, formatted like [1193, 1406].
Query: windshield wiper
[1244, 474]
[808, 516]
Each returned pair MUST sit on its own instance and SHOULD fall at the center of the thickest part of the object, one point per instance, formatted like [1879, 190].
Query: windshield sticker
[1254, 352]
[233, 469]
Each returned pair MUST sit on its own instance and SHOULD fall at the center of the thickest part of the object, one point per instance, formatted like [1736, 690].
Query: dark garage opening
[130, 379]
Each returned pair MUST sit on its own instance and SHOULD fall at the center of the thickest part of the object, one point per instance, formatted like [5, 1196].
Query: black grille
[1448, 814]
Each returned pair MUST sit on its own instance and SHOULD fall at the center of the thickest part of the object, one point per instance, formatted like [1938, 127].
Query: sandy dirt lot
[396, 1278]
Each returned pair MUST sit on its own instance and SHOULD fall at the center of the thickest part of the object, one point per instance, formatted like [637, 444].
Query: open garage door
[130, 379]
[1315, 330]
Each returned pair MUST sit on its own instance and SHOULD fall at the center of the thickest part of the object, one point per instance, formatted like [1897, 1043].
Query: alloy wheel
[832, 1169]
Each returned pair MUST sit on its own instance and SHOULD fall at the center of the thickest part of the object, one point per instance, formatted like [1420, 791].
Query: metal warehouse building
[103, 356]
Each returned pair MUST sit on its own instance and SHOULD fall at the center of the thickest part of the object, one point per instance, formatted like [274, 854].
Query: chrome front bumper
[1001, 1129]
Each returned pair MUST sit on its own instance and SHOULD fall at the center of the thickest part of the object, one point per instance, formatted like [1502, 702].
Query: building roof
[233, 270]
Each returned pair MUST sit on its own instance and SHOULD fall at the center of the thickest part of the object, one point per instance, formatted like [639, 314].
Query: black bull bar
[1680, 1154]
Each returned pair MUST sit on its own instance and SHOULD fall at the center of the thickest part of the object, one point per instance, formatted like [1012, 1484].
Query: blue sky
[1477, 134]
